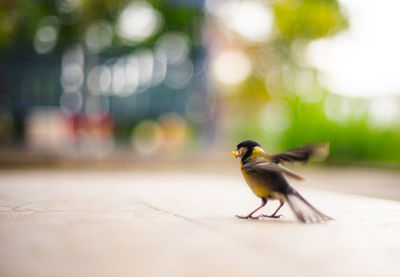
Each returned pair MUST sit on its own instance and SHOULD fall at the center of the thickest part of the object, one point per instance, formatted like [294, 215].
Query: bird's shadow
[290, 221]
[269, 221]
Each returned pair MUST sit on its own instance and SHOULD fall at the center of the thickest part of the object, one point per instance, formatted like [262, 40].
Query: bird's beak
[235, 154]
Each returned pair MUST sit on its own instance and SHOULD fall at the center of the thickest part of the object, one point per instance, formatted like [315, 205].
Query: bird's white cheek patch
[242, 151]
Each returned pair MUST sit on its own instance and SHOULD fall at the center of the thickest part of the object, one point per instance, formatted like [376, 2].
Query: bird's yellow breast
[259, 189]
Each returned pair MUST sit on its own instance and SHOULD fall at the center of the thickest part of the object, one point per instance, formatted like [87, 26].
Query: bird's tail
[303, 210]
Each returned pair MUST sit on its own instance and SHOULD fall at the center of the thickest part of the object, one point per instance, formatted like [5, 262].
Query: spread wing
[302, 154]
[268, 167]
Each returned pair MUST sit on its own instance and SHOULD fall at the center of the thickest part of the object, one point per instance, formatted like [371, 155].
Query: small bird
[265, 177]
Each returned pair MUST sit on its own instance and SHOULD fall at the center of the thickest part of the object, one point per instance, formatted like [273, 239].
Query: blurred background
[103, 80]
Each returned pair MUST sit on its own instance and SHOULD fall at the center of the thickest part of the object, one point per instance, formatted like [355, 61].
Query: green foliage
[20, 19]
[296, 120]
[352, 139]
[309, 19]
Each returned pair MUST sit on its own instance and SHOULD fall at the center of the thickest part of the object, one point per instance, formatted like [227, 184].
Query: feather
[270, 167]
[302, 154]
[303, 210]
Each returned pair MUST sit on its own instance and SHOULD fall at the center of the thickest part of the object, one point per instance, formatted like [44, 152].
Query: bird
[265, 176]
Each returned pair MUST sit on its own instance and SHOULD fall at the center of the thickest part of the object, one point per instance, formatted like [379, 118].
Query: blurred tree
[293, 108]
[20, 19]
[279, 67]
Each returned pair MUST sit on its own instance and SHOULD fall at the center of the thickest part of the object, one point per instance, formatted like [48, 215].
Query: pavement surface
[106, 223]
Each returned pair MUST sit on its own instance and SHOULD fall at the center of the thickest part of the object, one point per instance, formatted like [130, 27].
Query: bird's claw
[272, 216]
[247, 217]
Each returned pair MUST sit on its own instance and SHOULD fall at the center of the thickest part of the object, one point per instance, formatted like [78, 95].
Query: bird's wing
[268, 167]
[302, 154]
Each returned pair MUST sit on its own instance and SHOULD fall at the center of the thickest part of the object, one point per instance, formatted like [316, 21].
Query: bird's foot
[272, 216]
[247, 217]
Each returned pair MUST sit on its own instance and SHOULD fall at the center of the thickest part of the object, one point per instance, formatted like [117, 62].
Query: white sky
[365, 59]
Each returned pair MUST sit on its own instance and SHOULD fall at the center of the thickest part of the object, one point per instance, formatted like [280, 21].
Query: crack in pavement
[24, 207]
[196, 222]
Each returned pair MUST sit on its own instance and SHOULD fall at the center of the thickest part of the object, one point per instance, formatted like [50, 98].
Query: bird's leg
[274, 214]
[250, 215]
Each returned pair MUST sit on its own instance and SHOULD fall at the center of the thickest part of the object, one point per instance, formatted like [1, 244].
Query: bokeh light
[363, 61]
[105, 79]
[132, 72]
[72, 76]
[384, 111]
[46, 36]
[174, 132]
[175, 46]
[46, 130]
[231, 67]
[252, 20]
[179, 75]
[147, 137]
[67, 6]
[93, 80]
[138, 21]
[71, 102]
[99, 36]
[72, 68]
[119, 78]
[146, 65]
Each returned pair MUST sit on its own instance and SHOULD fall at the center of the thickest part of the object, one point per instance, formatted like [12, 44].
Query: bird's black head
[249, 144]
[244, 149]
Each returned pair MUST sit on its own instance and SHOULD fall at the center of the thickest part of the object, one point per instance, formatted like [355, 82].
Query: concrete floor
[105, 223]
